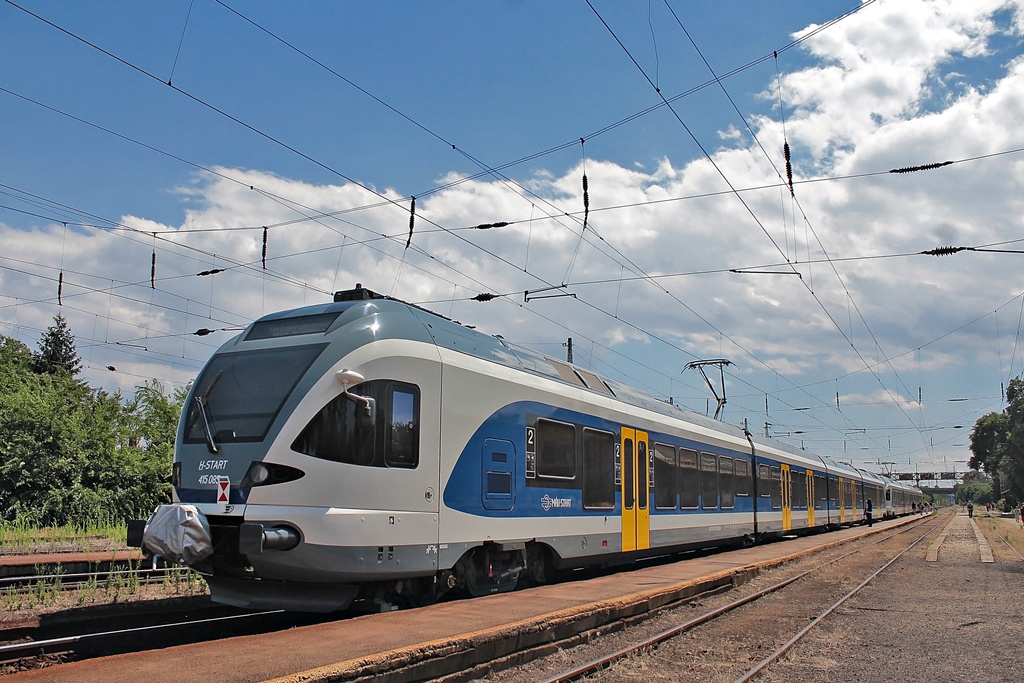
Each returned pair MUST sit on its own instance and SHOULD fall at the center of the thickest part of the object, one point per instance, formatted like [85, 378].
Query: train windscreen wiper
[202, 401]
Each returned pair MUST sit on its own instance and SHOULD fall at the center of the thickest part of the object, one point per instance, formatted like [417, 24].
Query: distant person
[867, 512]
[1021, 511]
[970, 509]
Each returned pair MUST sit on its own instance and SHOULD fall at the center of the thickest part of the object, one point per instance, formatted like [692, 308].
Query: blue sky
[324, 108]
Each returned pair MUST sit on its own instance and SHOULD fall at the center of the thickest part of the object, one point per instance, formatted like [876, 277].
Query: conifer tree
[57, 352]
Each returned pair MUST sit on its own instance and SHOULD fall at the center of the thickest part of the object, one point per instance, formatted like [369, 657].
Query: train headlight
[263, 473]
[258, 474]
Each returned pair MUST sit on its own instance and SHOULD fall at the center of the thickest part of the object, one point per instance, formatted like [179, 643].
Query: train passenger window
[820, 492]
[742, 478]
[764, 481]
[776, 488]
[598, 469]
[726, 482]
[687, 478]
[664, 476]
[799, 490]
[556, 449]
[708, 481]
[401, 442]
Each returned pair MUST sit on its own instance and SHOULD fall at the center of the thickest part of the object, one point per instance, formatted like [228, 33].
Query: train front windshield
[238, 395]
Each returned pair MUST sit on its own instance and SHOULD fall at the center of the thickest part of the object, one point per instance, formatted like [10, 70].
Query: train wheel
[483, 572]
[539, 564]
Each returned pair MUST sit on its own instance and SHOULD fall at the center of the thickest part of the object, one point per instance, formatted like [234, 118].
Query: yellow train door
[810, 497]
[636, 513]
[853, 501]
[787, 499]
[842, 500]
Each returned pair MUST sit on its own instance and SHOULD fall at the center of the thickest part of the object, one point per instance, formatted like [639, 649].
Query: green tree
[997, 445]
[989, 446]
[73, 454]
[977, 492]
[57, 352]
[146, 431]
[43, 430]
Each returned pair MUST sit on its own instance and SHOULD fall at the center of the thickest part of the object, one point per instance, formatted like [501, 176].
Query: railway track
[809, 595]
[64, 581]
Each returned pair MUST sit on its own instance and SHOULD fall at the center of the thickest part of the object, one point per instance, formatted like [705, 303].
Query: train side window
[799, 495]
[726, 482]
[820, 492]
[556, 449]
[764, 481]
[708, 481]
[742, 478]
[689, 481]
[598, 469]
[343, 430]
[401, 440]
[776, 488]
[664, 476]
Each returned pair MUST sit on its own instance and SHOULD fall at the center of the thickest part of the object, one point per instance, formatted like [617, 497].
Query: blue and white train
[370, 450]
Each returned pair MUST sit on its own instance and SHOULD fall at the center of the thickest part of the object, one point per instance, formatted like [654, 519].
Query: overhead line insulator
[412, 221]
[925, 167]
[944, 251]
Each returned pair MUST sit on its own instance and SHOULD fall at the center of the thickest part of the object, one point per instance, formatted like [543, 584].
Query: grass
[22, 537]
[1010, 529]
[51, 593]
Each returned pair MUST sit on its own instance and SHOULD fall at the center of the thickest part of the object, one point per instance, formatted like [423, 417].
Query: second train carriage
[369, 449]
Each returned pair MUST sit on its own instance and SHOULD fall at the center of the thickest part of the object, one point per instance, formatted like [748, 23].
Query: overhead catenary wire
[750, 211]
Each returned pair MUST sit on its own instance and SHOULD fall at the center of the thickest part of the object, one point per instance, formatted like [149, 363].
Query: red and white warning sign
[223, 485]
